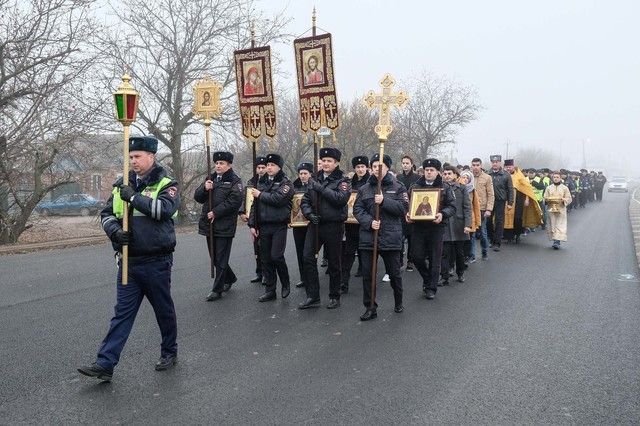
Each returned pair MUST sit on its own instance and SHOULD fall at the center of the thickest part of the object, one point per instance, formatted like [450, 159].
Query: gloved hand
[314, 185]
[126, 192]
[314, 218]
[121, 237]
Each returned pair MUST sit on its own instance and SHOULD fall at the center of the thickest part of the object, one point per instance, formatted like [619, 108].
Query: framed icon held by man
[424, 204]
[297, 218]
[352, 201]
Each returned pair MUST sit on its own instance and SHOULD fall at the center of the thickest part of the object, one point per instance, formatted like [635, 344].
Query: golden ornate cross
[384, 101]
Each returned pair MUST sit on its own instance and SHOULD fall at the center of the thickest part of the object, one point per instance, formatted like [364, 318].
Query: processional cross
[382, 101]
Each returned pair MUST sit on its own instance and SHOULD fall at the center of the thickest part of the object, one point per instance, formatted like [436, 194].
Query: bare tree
[438, 108]
[166, 46]
[41, 62]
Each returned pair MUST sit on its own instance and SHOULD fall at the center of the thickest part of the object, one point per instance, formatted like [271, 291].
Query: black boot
[368, 315]
[165, 363]
[94, 370]
[286, 290]
[257, 279]
[309, 303]
[214, 296]
[268, 296]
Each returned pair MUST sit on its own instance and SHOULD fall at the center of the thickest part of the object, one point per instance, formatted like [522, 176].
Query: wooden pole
[207, 135]
[374, 254]
[125, 217]
[316, 205]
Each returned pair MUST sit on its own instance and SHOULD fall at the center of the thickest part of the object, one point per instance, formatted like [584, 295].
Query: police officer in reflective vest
[153, 203]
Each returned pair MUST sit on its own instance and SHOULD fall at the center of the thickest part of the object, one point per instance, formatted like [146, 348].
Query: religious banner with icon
[316, 86]
[297, 218]
[352, 202]
[255, 92]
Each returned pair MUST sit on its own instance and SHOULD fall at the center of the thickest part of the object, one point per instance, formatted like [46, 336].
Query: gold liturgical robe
[531, 214]
[557, 226]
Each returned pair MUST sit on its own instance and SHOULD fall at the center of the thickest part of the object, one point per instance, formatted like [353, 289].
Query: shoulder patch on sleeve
[405, 196]
[285, 188]
[344, 186]
[173, 191]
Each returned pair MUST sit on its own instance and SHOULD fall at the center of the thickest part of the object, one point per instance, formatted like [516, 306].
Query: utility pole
[508, 142]
[584, 155]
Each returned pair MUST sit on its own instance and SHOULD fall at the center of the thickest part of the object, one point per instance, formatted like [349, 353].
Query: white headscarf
[469, 176]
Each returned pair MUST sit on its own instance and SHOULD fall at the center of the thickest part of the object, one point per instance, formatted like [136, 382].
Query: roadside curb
[22, 248]
[634, 216]
[50, 245]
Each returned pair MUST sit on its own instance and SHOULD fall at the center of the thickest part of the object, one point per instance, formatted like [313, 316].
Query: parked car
[71, 204]
[618, 184]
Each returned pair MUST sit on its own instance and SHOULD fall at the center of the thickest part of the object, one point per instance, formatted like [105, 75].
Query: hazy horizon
[552, 75]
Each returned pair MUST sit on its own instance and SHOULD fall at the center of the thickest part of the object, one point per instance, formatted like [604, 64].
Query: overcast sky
[549, 73]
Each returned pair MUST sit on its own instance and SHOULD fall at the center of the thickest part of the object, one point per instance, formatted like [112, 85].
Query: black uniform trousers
[222, 252]
[495, 224]
[453, 253]
[273, 242]
[350, 247]
[299, 235]
[330, 236]
[426, 244]
[392, 263]
[151, 279]
[599, 190]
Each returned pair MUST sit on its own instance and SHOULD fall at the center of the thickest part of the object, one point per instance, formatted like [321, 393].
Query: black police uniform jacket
[447, 202]
[333, 194]
[502, 186]
[275, 201]
[393, 209]
[298, 186]
[152, 232]
[227, 199]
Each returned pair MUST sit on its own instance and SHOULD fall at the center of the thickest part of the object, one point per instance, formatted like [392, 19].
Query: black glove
[314, 185]
[126, 192]
[314, 218]
[121, 237]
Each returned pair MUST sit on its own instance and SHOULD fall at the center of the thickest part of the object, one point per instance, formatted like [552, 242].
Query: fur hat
[509, 162]
[495, 157]
[223, 156]
[305, 166]
[275, 159]
[360, 159]
[432, 162]
[386, 160]
[331, 153]
[143, 143]
[261, 161]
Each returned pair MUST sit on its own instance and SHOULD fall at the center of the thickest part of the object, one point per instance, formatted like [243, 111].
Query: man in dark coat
[325, 206]
[360, 165]
[272, 211]
[600, 181]
[428, 235]
[261, 169]
[408, 177]
[458, 227]
[227, 193]
[394, 205]
[504, 196]
[300, 185]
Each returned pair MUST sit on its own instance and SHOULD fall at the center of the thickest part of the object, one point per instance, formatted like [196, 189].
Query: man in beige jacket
[484, 191]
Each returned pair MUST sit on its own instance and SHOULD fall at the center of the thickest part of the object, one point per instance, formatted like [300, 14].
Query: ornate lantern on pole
[126, 102]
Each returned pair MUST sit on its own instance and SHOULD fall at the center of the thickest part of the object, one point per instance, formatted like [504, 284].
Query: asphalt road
[533, 336]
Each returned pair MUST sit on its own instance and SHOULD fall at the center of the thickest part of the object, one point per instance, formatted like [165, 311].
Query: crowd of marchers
[433, 218]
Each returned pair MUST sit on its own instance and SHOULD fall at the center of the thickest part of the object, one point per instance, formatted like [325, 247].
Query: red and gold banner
[255, 92]
[316, 85]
